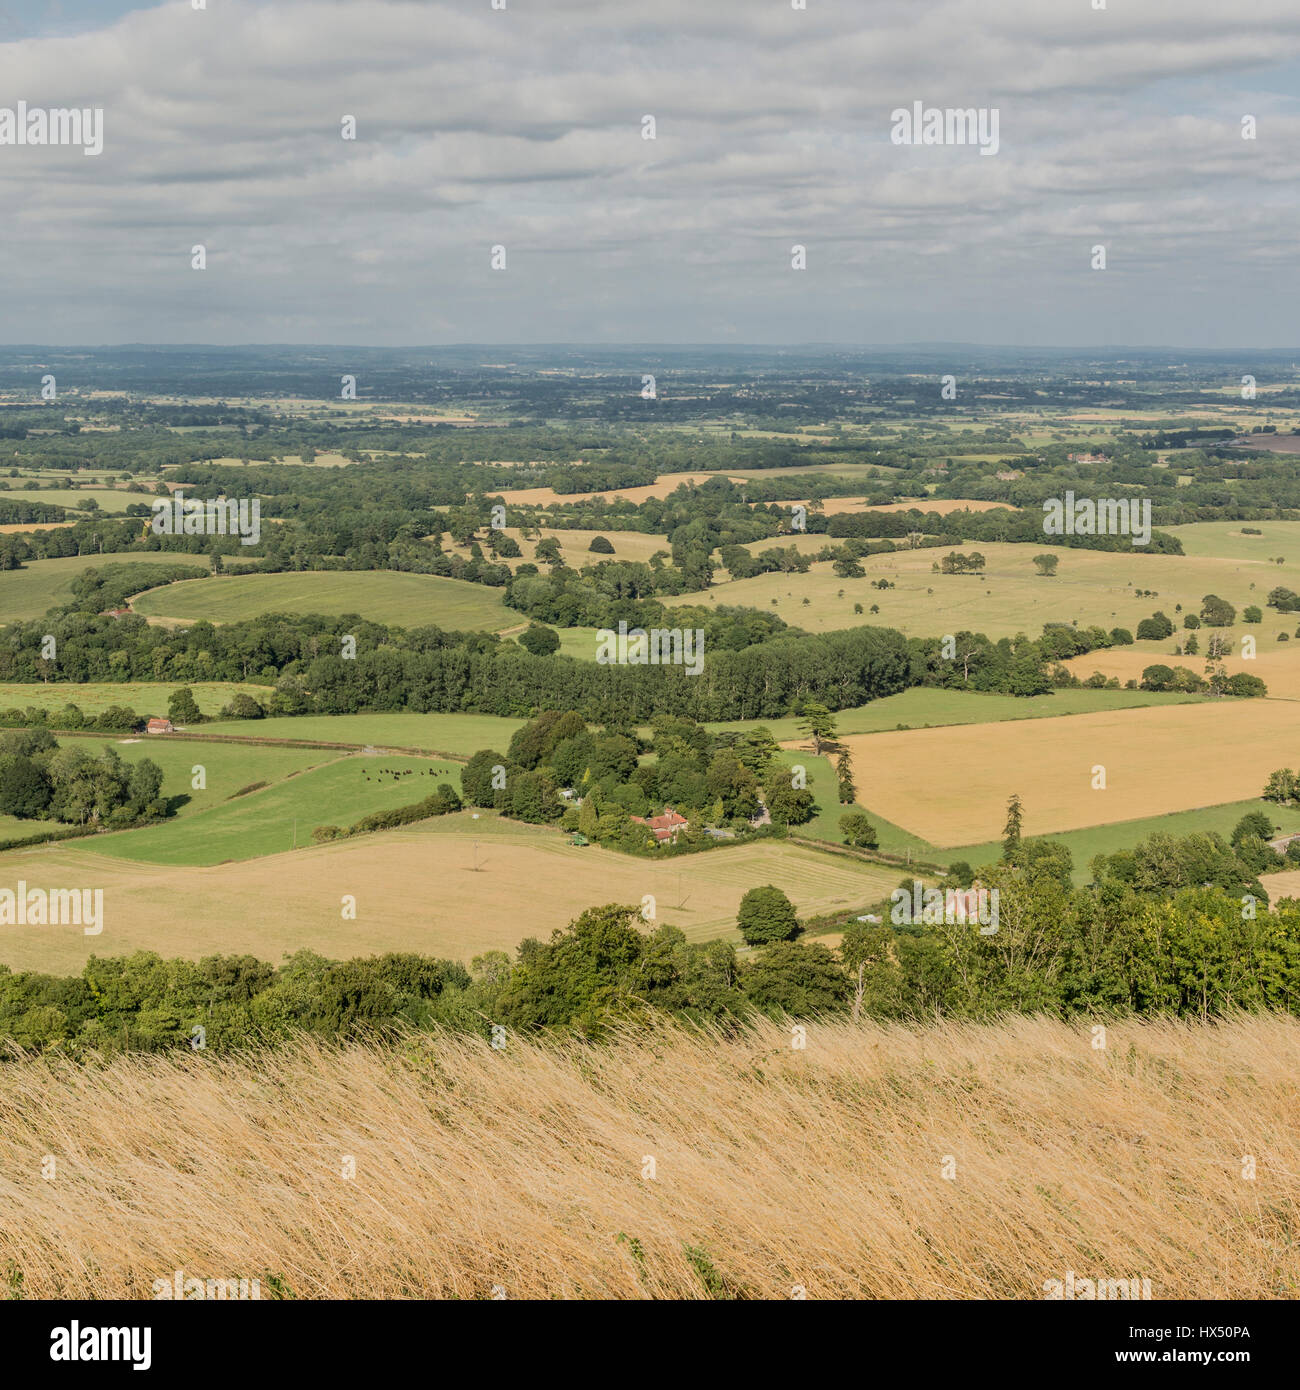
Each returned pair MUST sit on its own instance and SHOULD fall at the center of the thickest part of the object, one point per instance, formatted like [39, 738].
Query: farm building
[159, 726]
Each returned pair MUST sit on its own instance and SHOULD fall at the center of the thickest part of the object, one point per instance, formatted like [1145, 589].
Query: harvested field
[447, 887]
[949, 785]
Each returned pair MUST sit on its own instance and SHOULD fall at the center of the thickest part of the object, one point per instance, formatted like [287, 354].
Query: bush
[1155, 628]
[1251, 687]
[601, 545]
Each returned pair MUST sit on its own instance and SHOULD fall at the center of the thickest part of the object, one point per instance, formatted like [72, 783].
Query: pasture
[575, 547]
[450, 887]
[113, 501]
[42, 584]
[402, 600]
[1090, 586]
[283, 815]
[145, 697]
[1276, 663]
[439, 733]
[1109, 839]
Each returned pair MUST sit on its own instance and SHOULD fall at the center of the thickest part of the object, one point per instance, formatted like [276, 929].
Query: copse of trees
[598, 781]
[39, 780]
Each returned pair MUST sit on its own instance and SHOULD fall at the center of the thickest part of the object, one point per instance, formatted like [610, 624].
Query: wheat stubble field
[775, 1169]
[943, 784]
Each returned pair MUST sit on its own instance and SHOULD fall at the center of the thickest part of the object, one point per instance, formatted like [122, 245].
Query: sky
[523, 128]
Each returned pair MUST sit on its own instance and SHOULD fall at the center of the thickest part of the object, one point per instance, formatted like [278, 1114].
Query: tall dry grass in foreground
[775, 1167]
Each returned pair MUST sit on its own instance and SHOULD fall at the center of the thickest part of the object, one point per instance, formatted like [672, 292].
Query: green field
[1108, 839]
[1224, 540]
[403, 600]
[924, 707]
[227, 768]
[825, 825]
[145, 697]
[439, 733]
[282, 815]
[578, 642]
[41, 584]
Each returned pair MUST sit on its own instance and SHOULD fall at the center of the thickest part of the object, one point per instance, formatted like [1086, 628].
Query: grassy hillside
[405, 600]
[823, 1171]
[40, 585]
[145, 697]
[278, 817]
[443, 733]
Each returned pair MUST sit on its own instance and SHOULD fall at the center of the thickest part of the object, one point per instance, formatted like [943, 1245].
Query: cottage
[665, 827]
[159, 726]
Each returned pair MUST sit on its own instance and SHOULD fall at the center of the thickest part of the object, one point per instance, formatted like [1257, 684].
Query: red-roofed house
[159, 726]
[665, 827]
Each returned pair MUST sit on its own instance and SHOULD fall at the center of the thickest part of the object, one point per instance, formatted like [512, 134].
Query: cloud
[523, 127]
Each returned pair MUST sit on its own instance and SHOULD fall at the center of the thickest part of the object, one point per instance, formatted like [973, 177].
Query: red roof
[665, 826]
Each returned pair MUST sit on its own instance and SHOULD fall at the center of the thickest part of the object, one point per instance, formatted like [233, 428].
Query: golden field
[1276, 663]
[416, 889]
[777, 1171]
[950, 785]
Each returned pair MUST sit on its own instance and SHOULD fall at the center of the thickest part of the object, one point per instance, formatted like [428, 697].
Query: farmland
[404, 600]
[943, 783]
[439, 733]
[145, 697]
[30, 592]
[1090, 587]
[451, 887]
[275, 818]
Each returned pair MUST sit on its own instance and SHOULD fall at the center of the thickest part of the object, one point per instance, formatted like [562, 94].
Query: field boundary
[177, 735]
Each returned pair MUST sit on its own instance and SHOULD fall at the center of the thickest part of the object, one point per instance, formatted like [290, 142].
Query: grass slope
[145, 697]
[33, 590]
[453, 886]
[821, 1169]
[263, 822]
[404, 600]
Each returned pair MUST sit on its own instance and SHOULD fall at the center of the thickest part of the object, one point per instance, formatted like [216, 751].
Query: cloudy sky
[522, 128]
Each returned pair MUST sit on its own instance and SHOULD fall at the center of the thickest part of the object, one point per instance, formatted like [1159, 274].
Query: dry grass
[819, 1168]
